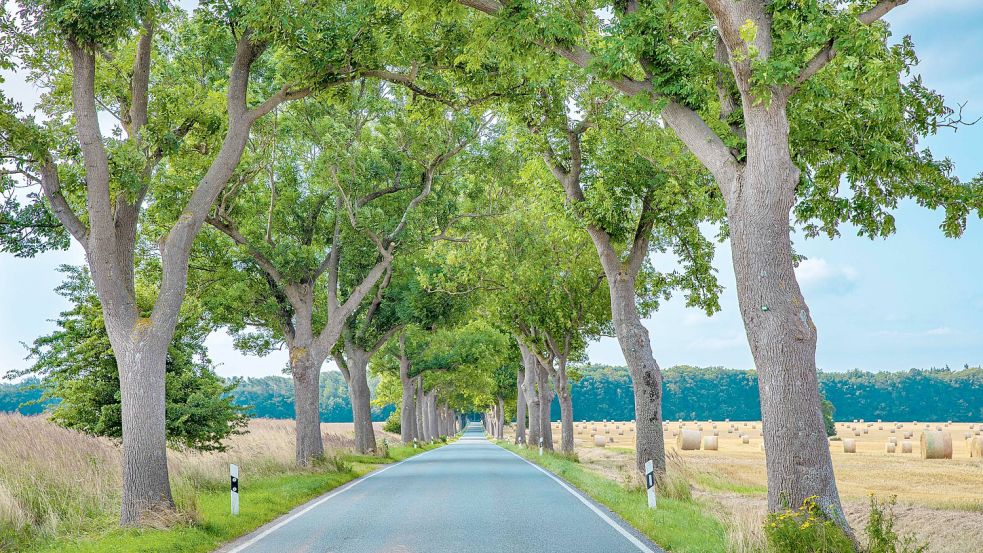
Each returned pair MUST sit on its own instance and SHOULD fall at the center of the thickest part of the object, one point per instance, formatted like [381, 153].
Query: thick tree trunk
[145, 479]
[407, 418]
[520, 408]
[646, 376]
[545, 401]
[358, 390]
[779, 327]
[531, 396]
[562, 387]
[306, 373]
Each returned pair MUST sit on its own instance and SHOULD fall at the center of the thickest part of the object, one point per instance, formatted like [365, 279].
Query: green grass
[715, 482]
[261, 501]
[676, 525]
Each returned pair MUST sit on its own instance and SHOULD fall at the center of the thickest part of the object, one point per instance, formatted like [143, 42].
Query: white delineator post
[234, 474]
[650, 483]
[540, 445]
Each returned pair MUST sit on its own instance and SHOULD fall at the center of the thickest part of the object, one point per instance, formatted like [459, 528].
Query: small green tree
[828, 410]
[79, 372]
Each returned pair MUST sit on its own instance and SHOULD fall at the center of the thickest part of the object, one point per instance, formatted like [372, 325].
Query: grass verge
[261, 500]
[680, 526]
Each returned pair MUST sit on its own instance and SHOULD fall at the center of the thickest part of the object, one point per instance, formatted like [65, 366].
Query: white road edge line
[345, 488]
[621, 530]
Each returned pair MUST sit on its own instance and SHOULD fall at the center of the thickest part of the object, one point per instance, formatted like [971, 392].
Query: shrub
[881, 536]
[393, 425]
[805, 530]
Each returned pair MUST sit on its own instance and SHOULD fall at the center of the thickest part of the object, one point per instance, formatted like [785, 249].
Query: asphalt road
[469, 496]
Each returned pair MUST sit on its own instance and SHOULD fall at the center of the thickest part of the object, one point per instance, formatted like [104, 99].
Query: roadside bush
[393, 425]
[881, 536]
[805, 530]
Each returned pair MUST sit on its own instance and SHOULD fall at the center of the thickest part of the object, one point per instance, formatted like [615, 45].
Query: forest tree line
[604, 392]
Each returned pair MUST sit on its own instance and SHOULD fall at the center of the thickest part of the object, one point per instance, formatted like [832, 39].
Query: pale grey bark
[420, 434]
[356, 373]
[407, 419]
[520, 408]
[531, 395]
[500, 419]
[545, 401]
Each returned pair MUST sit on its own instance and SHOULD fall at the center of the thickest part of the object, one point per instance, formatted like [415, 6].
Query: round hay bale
[621, 432]
[849, 445]
[936, 445]
[745, 439]
[674, 433]
[865, 430]
[688, 440]
[892, 431]
[710, 443]
[906, 447]
[856, 433]
[716, 432]
[907, 435]
[938, 428]
[890, 447]
[599, 440]
[967, 435]
[892, 440]
[976, 447]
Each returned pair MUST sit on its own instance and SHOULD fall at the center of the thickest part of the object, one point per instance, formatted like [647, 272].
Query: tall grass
[56, 482]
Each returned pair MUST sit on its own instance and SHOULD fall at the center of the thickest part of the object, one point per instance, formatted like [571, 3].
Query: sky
[913, 300]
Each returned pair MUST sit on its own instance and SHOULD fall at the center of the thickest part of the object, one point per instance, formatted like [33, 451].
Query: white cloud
[818, 274]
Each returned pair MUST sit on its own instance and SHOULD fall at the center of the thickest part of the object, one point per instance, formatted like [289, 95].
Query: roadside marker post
[540, 446]
[234, 474]
[650, 483]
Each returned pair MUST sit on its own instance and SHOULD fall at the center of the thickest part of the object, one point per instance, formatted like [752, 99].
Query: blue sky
[912, 300]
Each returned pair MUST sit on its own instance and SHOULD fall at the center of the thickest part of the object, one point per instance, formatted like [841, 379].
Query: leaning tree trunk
[358, 390]
[646, 376]
[145, 479]
[545, 402]
[520, 408]
[306, 372]
[407, 418]
[779, 327]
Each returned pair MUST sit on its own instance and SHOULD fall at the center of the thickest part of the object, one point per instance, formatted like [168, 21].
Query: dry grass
[940, 501]
[57, 482]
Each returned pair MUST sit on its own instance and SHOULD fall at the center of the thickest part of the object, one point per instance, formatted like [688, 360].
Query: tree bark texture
[545, 401]
[520, 408]
[531, 395]
[407, 418]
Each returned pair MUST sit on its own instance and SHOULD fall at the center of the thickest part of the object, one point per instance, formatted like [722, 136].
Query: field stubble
[940, 501]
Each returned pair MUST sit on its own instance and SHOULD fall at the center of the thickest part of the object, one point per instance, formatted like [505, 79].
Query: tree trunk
[407, 418]
[358, 390]
[520, 408]
[146, 485]
[646, 376]
[779, 327]
[306, 373]
[545, 401]
[420, 426]
[432, 414]
[562, 387]
[531, 396]
[500, 419]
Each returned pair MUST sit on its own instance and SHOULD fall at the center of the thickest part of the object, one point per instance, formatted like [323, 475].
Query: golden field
[940, 501]
[58, 481]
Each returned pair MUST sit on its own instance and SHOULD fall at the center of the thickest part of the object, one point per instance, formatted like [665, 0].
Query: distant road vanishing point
[468, 496]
